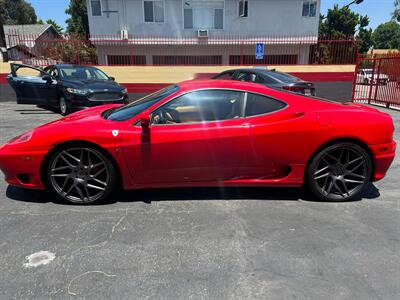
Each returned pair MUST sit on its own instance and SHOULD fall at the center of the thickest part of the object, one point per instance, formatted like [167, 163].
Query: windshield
[82, 73]
[130, 110]
[283, 77]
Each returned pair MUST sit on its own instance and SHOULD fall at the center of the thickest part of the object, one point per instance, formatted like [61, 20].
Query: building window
[126, 60]
[219, 18]
[277, 59]
[243, 8]
[153, 11]
[201, 14]
[188, 18]
[168, 60]
[96, 8]
[309, 9]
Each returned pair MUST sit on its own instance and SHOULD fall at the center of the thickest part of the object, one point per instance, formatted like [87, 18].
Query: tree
[340, 22]
[387, 36]
[17, 12]
[57, 27]
[365, 40]
[78, 23]
[396, 12]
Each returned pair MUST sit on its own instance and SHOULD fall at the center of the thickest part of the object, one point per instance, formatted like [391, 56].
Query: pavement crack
[84, 274]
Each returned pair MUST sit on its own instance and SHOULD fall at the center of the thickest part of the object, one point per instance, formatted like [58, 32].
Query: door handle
[246, 124]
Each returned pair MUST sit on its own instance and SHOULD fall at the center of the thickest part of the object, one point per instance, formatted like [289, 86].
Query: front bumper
[78, 101]
[383, 158]
[22, 167]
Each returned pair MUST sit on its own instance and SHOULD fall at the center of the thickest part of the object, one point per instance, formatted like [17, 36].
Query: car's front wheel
[64, 106]
[81, 174]
[339, 172]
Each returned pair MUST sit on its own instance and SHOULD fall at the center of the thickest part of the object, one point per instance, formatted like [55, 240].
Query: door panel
[187, 153]
[29, 86]
[35, 90]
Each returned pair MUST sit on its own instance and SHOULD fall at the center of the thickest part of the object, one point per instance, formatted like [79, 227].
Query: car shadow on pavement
[186, 194]
[37, 111]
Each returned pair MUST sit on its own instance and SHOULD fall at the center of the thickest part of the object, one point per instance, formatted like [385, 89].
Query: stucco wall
[266, 17]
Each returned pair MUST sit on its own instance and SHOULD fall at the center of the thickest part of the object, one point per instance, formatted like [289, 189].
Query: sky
[378, 10]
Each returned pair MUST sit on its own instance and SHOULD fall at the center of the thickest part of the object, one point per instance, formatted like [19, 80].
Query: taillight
[289, 88]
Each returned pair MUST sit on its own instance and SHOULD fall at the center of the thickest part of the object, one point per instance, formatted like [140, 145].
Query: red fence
[377, 80]
[183, 50]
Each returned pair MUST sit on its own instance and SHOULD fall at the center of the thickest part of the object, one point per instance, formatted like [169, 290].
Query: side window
[258, 105]
[243, 76]
[259, 79]
[54, 72]
[269, 80]
[26, 71]
[200, 106]
[225, 76]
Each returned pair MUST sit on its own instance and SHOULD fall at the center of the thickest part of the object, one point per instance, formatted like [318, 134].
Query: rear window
[258, 105]
[284, 77]
[130, 110]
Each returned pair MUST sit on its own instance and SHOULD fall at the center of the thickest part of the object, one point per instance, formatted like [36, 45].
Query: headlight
[78, 91]
[21, 138]
[125, 91]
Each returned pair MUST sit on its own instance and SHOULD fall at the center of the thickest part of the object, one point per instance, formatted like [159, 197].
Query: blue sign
[259, 51]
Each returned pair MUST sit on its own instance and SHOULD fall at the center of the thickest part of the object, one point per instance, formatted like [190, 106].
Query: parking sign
[259, 51]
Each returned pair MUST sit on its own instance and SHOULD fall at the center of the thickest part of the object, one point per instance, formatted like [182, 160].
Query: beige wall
[169, 74]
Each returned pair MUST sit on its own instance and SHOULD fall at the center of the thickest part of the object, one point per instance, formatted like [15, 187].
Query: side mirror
[111, 78]
[47, 78]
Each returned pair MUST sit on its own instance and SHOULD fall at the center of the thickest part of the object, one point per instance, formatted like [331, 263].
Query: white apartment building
[214, 32]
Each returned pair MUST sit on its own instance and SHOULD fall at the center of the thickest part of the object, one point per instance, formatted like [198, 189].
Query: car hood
[85, 116]
[95, 84]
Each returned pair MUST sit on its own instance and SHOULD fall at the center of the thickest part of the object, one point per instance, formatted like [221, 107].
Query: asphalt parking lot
[198, 243]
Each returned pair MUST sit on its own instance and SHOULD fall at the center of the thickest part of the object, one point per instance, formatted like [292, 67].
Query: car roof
[70, 66]
[258, 71]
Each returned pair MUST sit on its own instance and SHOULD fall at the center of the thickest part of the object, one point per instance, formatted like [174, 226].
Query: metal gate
[377, 80]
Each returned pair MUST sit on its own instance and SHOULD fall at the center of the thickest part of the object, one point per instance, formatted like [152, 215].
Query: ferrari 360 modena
[206, 133]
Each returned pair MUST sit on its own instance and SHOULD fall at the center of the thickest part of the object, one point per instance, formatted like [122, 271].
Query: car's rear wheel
[64, 106]
[81, 175]
[339, 172]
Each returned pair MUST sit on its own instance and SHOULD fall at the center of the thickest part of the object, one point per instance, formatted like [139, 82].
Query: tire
[64, 106]
[339, 173]
[81, 174]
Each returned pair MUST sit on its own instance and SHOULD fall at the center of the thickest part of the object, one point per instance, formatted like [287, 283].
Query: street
[198, 243]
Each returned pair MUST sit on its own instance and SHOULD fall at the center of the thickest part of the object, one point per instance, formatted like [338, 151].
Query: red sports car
[206, 133]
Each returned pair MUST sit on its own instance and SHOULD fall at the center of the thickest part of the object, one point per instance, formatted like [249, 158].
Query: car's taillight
[289, 88]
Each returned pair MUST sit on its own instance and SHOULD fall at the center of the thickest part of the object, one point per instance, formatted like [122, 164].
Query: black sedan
[65, 87]
[270, 78]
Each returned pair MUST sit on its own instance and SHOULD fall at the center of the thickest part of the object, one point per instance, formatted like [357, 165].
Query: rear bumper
[383, 158]
[22, 167]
